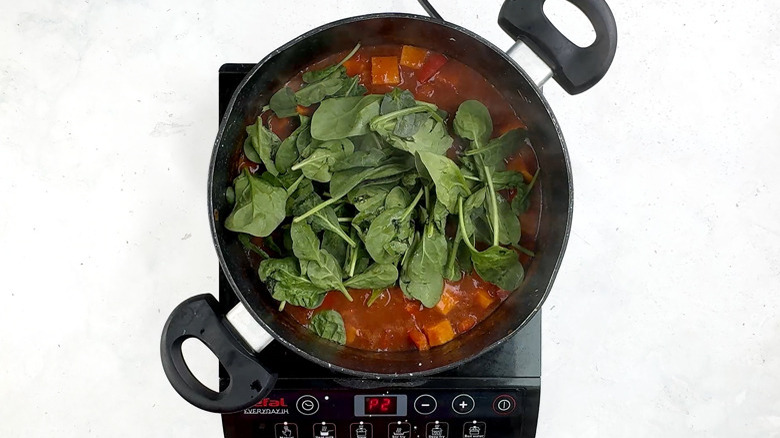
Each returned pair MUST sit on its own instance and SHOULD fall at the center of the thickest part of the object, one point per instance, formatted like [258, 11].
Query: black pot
[233, 338]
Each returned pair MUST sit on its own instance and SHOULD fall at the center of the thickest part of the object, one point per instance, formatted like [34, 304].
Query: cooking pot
[234, 337]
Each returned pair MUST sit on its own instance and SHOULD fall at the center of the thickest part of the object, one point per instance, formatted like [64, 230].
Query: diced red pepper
[432, 65]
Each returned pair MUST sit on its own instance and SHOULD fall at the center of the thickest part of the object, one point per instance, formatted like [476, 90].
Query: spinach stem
[349, 55]
[294, 186]
[337, 229]
[375, 294]
[312, 159]
[410, 209]
[472, 178]
[524, 250]
[462, 226]
[346, 294]
[281, 305]
[345, 219]
[315, 209]
[451, 257]
[493, 206]
[353, 253]
[530, 186]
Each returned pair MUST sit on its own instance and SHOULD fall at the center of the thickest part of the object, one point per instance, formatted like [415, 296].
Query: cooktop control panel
[406, 413]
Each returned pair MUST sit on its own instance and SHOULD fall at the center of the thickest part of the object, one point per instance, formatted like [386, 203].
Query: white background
[663, 321]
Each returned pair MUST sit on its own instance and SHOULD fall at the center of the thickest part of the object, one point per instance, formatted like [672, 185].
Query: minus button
[425, 404]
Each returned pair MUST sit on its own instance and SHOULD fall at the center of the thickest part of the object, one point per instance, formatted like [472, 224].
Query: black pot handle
[199, 317]
[576, 69]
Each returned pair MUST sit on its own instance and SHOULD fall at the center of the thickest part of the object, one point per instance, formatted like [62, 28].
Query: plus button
[463, 404]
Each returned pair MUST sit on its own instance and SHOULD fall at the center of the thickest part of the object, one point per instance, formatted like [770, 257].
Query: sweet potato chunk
[484, 299]
[384, 70]
[439, 333]
[446, 303]
[419, 339]
[413, 57]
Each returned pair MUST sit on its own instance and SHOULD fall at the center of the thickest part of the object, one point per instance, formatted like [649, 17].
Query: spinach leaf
[344, 117]
[390, 234]
[317, 165]
[370, 158]
[317, 92]
[306, 245]
[283, 103]
[496, 151]
[421, 277]
[499, 266]
[450, 184]
[473, 122]
[509, 230]
[369, 198]
[264, 142]
[508, 179]
[286, 284]
[344, 181]
[377, 276]
[326, 273]
[326, 219]
[329, 324]
[287, 153]
[250, 153]
[318, 75]
[522, 200]
[246, 242]
[395, 100]
[230, 195]
[351, 87]
[398, 197]
[431, 136]
[259, 207]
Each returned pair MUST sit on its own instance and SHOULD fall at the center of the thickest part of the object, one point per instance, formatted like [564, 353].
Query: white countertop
[663, 320]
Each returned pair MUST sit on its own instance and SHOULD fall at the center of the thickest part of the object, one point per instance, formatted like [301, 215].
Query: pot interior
[554, 182]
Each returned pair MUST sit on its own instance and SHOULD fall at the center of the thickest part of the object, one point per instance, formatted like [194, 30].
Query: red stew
[393, 322]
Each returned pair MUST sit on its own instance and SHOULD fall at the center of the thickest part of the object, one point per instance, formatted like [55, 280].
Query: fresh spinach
[377, 276]
[264, 142]
[450, 184]
[344, 117]
[287, 154]
[473, 122]
[329, 324]
[286, 284]
[318, 75]
[421, 278]
[500, 266]
[389, 235]
[317, 165]
[259, 206]
[497, 150]
[283, 103]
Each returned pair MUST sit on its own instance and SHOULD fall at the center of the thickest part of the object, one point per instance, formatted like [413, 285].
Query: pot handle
[575, 68]
[200, 317]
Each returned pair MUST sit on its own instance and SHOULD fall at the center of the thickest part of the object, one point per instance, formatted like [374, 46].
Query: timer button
[425, 404]
[307, 405]
[504, 404]
[463, 404]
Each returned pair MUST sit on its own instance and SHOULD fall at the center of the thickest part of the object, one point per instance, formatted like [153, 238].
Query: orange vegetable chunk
[484, 299]
[419, 339]
[413, 57]
[384, 70]
[446, 303]
[439, 333]
[351, 333]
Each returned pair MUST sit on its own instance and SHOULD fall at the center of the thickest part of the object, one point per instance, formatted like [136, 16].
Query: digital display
[384, 405]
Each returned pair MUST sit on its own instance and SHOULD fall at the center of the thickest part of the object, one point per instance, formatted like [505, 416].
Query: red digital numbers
[381, 405]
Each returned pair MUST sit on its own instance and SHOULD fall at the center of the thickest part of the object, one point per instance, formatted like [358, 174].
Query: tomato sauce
[393, 322]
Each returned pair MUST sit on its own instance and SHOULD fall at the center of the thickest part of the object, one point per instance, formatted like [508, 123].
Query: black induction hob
[493, 396]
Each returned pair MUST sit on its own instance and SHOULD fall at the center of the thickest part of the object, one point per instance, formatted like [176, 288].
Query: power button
[504, 404]
[307, 405]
